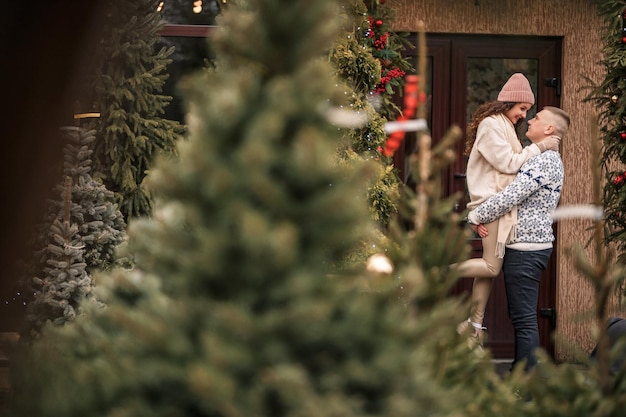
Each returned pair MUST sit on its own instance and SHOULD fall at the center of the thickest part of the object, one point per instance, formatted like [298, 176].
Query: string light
[16, 299]
[197, 6]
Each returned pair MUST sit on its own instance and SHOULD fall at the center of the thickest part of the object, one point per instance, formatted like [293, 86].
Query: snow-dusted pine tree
[63, 282]
[100, 222]
[79, 237]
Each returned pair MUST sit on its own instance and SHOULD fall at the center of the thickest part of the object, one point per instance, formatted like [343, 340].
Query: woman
[495, 156]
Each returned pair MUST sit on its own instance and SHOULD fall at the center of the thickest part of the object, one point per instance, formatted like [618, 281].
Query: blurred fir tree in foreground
[230, 309]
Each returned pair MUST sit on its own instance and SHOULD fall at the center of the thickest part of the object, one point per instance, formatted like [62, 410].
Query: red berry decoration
[411, 94]
[622, 135]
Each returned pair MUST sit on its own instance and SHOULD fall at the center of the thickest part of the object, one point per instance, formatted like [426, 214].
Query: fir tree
[126, 88]
[360, 71]
[230, 310]
[387, 47]
[63, 281]
[361, 64]
[610, 100]
[100, 223]
[80, 236]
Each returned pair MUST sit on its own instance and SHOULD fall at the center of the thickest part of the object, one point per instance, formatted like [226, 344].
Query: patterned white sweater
[535, 191]
[495, 159]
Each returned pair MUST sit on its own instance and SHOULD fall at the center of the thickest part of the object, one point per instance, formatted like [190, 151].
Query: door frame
[448, 55]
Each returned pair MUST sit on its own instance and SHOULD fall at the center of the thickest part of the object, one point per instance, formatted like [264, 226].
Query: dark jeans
[522, 272]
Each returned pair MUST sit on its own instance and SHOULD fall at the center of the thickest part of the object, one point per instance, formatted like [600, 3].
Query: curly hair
[485, 110]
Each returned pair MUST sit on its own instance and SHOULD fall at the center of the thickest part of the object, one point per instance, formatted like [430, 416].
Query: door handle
[556, 84]
[549, 313]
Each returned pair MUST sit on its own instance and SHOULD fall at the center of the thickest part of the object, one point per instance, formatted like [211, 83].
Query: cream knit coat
[493, 162]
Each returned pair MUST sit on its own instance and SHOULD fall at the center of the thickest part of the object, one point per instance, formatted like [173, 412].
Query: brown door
[464, 72]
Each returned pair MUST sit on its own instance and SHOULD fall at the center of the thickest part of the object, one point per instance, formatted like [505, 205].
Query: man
[535, 192]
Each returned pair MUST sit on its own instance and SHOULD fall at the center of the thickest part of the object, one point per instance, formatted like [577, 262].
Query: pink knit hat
[517, 90]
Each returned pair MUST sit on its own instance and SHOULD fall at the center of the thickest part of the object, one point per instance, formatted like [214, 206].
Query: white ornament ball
[379, 264]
